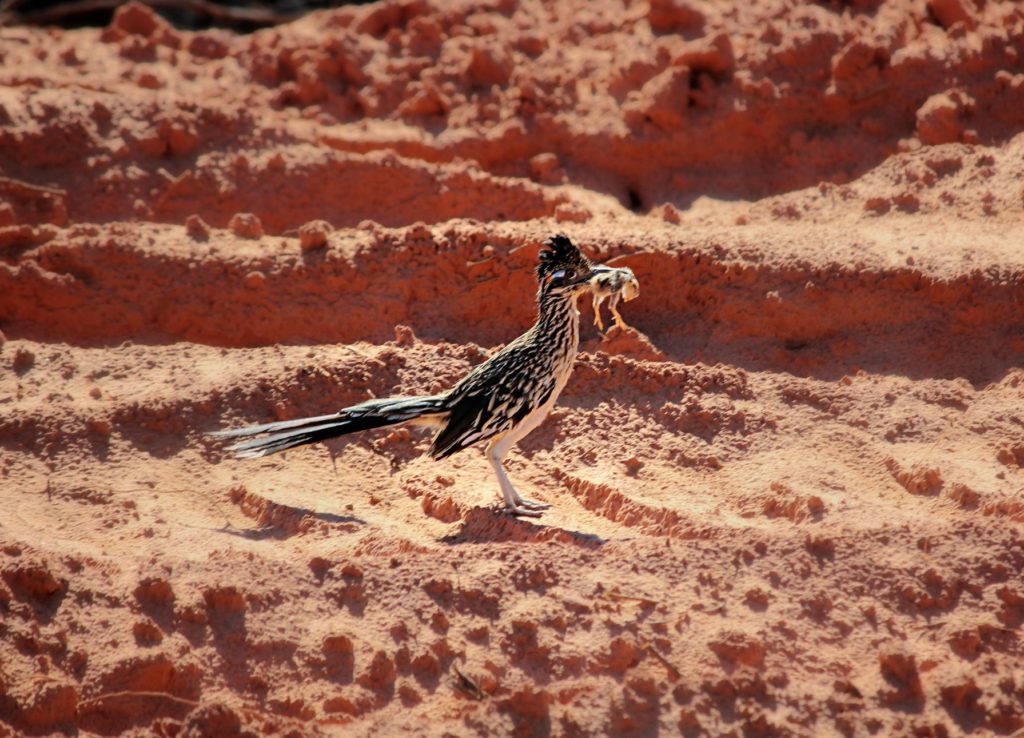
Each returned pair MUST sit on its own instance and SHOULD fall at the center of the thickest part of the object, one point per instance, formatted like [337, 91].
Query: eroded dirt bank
[788, 503]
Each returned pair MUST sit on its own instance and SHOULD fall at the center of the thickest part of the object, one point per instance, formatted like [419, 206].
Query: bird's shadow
[279, 520]
[490, 525]
[307, 520]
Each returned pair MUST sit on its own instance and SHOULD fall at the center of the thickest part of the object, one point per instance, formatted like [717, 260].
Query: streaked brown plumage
[500, 401]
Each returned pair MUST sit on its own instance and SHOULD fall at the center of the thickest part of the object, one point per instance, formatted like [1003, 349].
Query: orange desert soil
[789, 501]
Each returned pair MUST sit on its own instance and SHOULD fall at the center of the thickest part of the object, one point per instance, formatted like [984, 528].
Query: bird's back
[501, 392]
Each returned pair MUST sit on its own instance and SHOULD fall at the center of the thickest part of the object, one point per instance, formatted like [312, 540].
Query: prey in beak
[612, 284]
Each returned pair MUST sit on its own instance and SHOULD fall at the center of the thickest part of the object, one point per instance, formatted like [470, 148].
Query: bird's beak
[585, 279]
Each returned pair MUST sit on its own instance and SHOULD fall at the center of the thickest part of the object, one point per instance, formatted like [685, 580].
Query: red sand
[790, 503]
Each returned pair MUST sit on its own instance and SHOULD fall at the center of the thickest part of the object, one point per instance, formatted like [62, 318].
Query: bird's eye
[569, 274]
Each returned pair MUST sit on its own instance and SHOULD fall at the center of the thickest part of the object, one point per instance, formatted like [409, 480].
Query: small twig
[129, 693]
[11, 186]
[672, 670]
[467, 685]
[634, 598]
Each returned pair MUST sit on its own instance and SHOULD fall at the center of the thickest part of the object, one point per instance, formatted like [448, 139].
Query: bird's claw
[517, 511]
[533, 504]
[619, 321]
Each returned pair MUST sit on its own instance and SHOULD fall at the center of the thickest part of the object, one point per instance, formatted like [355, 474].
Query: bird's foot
[532, 504]
[619, 321]
[518, 510]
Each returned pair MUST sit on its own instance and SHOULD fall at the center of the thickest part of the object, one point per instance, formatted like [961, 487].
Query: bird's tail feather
[274, 437]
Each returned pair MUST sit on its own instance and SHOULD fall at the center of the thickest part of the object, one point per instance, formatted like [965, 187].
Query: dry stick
[223, 14]
[10, 186]
[130, 693]
[672, 670]
[619, 597]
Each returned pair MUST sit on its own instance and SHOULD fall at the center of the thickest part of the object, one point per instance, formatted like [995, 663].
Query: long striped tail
[274, 437]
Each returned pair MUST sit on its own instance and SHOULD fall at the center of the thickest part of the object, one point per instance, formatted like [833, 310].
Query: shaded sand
[788, 502]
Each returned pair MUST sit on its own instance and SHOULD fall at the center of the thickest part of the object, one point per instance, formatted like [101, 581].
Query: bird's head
[562, 268]
[631, 285]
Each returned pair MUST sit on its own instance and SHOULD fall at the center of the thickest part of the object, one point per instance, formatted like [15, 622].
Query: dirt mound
[786, 501]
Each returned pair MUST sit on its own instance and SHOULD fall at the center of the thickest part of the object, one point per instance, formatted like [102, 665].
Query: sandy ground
[789, 501]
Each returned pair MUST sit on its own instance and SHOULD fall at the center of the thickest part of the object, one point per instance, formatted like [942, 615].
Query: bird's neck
[558, 315]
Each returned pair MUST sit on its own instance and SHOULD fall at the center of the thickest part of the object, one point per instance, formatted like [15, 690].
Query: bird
[499, 402]
[613, 282]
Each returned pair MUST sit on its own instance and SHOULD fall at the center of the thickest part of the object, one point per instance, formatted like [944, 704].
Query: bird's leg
[501, 448]
[514, 502]
[598, 299]
[612, 303]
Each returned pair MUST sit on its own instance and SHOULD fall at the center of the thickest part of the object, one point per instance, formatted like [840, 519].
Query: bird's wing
[493, 398]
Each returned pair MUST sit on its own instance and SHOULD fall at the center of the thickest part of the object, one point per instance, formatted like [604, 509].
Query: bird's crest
[558, 253]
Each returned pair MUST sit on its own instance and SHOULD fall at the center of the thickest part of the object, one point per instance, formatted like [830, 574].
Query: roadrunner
[614, 283]
[500, 401]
